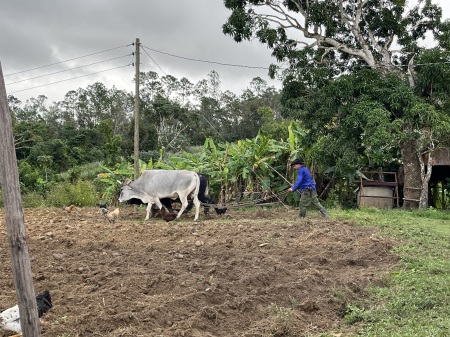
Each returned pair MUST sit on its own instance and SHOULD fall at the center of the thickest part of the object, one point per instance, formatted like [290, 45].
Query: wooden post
[15, 225]
[136, 112]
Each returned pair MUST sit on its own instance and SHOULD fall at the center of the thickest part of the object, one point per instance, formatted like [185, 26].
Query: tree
[208, 87]
[185, 91]
[250, 119]
[45, 162]
[69, 106]
[54, 148]
[330, 38]
[150, 86]
[29, 134]
[358, 118]
[14, 106]
[208, 121]
[171, 121]
[112, 145]
[432, 76]
[93, 105]
[170, 85]
[431, 84]
[33, 110]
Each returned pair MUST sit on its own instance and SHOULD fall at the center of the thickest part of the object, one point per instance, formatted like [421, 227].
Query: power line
[264, 68]
[75, 58]
[154, 61]
[69, 79]
[144, 47]
[206, 61]
[61, 71]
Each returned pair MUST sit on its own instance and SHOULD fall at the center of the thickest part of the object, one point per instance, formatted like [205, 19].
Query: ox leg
[167, 203]
[197, 207]
[184, 204]
[207, 201]
[149, 209]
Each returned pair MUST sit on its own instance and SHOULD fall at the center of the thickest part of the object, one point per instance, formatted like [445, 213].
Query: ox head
[126, 193]
[130, 192]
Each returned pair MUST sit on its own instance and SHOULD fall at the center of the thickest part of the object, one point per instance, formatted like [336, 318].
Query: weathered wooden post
[15, 222]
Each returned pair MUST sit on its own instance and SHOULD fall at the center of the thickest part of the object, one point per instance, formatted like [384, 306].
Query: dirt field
[247, 273]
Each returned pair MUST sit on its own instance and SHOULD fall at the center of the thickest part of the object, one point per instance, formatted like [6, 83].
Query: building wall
[370, 194]
[441, 157]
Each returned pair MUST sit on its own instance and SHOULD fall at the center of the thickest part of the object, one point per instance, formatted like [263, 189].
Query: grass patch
[416, 298]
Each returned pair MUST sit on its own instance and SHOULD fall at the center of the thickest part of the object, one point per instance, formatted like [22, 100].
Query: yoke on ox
[154, 185]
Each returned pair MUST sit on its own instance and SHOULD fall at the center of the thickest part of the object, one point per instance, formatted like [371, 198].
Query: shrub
[33, 200]
[82, 193]
[29, 200]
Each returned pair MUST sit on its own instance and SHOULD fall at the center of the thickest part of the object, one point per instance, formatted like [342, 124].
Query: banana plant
[114, 178]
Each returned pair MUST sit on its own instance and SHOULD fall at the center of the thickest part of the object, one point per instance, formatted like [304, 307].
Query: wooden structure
[364, 183]
[440, 174]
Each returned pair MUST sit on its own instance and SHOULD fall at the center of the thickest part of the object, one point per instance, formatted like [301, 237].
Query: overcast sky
[37, 34]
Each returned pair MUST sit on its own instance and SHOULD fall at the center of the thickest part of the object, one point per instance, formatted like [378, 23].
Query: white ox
[153, 185]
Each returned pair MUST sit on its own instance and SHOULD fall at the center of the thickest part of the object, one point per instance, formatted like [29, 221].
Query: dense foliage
[182, 125]
[329, 46]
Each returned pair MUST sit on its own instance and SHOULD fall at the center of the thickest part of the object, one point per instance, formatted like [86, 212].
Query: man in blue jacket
[305, 183]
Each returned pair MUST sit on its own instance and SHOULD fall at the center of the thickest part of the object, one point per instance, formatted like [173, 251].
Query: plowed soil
[252, 273]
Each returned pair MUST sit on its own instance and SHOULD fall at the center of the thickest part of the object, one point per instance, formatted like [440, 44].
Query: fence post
[15, 224]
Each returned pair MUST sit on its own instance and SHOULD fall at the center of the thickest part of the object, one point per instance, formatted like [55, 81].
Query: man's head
[296, 163]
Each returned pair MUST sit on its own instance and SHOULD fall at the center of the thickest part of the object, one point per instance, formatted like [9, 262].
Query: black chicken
[10, 318]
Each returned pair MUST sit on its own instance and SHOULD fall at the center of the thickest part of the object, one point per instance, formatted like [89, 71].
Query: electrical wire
[153, 60]
[205, 61]
[61, 71]
[69, 79]
[75, 58]
[264, 68]
[143, 48]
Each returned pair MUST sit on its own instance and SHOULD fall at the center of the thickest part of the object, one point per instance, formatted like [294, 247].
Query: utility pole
[136, 111]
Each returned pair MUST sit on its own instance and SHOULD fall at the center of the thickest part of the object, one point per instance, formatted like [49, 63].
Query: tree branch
[287, 21]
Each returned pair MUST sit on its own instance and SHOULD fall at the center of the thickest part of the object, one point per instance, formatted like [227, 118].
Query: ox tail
[195, 196]
[197, 187]
[207, 199]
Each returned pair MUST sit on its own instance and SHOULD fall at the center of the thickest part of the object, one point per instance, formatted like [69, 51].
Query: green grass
[416, 298]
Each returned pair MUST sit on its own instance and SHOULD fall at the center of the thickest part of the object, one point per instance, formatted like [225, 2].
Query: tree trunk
[412, 178]
[425, 174]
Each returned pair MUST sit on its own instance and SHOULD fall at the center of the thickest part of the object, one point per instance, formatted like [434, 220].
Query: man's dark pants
[309, 196]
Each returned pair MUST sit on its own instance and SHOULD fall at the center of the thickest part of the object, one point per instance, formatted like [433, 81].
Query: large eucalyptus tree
[322, 39]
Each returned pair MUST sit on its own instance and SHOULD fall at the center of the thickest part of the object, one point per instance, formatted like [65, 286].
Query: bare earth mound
[247, 273]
